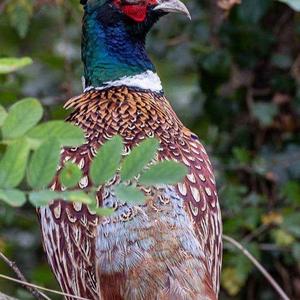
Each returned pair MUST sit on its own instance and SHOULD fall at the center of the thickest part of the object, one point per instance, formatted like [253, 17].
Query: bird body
[168, 248]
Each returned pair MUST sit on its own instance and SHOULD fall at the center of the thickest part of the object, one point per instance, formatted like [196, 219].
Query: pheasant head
[113, 43]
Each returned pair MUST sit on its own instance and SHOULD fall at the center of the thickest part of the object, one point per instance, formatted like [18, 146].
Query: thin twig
[42, 288]
[271, 280]
[37, 294]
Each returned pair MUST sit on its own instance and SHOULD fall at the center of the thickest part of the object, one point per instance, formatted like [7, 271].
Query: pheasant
[168, 248]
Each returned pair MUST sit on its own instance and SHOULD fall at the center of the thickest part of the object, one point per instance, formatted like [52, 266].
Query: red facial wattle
[137, 12]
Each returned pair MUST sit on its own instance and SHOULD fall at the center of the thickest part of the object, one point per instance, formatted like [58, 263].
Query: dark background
[234, 78]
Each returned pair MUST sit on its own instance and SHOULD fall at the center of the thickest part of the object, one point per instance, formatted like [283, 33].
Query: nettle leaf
[21, 117]
[78, 196]
[294, 4]
[107, 161]
[70, 175]
[12, 64]
[20, 12]
[165, 172]
[13, 164]
[3, 115]
[67, 134]
[13, 197]
[139, 157]
[42, 198]
[129, 194]
[43, 164]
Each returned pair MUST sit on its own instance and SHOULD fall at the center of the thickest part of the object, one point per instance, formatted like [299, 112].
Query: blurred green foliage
[237, 85]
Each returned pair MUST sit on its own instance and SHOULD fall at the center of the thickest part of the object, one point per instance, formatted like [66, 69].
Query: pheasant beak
[173, 6]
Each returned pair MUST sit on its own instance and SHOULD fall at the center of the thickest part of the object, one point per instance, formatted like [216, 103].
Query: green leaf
[43, 164]
[165, 172]
[13, 197]
[78, 196]
[70, 175]
[20, 12]
[21, 117]
[42, 198]
[296, 251]
[3, 115]
[231, 281]
[101, 211]
[129, 194]
[139, 157]
[67, 134]
[13, 164]
[294, 4]
[291, 190]
[264, 112]
[291, 223]
[107, 161]
[12, 64]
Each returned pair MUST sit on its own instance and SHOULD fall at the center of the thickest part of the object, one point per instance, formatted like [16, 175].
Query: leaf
[139, 157]
[294, 4]
[107, 161]
[296, 251]
[21, 117]
[3, 115]
[264, 112]
[12, 64]
[129, 194]
[101, 211]
[67, 134]
[70, 175]
[20, 12]
[165, 172]
[231, 281]
[291, 223]
[42, 198]
[13, 164]
[78, 196]
[282, 238]
[291, 190]
[13, 197]
[43, 164]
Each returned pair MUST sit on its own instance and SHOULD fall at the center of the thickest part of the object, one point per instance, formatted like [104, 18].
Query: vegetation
[237, 85]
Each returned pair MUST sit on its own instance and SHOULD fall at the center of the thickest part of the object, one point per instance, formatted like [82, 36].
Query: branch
[6, 297]
[42, 288]
[264, 272]
[37, 294]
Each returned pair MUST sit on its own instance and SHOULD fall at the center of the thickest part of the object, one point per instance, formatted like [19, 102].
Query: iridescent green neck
[110, 50]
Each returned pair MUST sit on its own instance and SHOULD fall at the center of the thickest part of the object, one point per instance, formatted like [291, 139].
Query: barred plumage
[184, 234]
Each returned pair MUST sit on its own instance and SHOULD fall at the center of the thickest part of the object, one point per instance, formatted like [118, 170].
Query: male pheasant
[169, 248]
